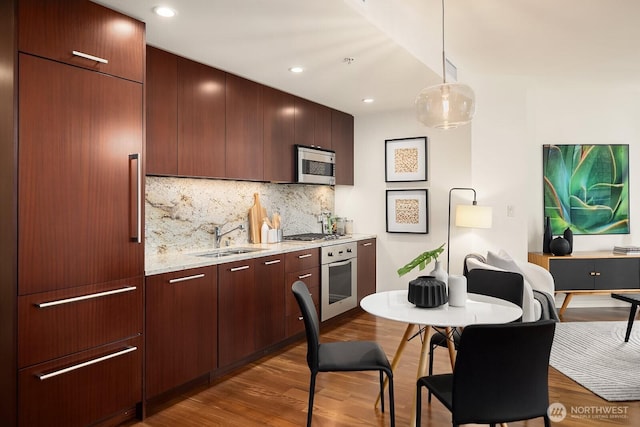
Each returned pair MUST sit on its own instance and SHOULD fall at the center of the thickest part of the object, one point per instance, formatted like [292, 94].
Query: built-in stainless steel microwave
[315, 165]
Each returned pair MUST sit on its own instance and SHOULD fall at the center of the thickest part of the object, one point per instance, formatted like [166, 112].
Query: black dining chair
[339, 356]
[500, 376]
[500, 284]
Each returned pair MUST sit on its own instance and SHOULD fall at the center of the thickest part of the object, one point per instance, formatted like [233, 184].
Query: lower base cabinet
[82, 389]
[305, 266]
[181, 328]
[366, 268]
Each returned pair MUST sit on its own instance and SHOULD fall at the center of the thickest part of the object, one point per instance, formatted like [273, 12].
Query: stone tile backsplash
[180, 213]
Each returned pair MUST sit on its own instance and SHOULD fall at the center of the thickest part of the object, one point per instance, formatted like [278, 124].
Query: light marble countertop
[177, 261]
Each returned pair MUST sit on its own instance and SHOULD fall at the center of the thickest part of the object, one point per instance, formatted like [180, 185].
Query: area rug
[595, 355]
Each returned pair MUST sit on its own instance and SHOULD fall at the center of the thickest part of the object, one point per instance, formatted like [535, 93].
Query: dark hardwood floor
[274, 390]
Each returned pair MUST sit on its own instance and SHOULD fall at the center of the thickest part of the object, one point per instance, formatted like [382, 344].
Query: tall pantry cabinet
[75, 266]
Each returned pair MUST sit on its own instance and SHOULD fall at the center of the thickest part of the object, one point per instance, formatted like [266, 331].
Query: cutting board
[256, 214]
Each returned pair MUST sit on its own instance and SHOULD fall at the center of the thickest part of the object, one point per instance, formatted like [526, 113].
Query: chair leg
[418, 404]
[392, 410]
[381, 390]
[431, 349]
[312, 388]
[547, 421]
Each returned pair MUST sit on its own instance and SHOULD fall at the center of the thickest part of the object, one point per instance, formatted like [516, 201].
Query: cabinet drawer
[300, 260]
[82, 33]
[53, 324]
[80, 389]
[311, 277]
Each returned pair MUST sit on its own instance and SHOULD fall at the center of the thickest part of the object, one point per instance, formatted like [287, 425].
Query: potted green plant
[421, 260]
[426, 291]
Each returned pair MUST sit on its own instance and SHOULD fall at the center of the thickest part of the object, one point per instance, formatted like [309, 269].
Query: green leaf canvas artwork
[586, 188]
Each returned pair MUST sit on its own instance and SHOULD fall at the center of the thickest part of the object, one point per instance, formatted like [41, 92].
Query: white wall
[449, 165]
[500, 155]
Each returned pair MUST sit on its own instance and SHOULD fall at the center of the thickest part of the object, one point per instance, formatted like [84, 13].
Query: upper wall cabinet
[207, 123]
[312, 124]
[185, 116]
[244, 147]
[342, 144]
[278, 136]
[201, 120]
[84, 34]
[162, 112]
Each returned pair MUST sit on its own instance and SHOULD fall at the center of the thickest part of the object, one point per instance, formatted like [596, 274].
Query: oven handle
[340, 263]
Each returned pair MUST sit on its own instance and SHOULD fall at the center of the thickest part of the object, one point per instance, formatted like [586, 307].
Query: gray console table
[590, 273]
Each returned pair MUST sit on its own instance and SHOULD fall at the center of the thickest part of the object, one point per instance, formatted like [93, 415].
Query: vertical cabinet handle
[90, 57]
[135, 192]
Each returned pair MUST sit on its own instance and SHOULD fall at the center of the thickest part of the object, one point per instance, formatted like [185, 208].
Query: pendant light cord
[444, 58]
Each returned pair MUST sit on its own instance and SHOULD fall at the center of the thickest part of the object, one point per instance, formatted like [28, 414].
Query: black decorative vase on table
[546, 238]
[427, 292]
[568, 236]
[560, 246]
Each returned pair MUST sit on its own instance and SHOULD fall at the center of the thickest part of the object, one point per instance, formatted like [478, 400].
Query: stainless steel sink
[228, 252]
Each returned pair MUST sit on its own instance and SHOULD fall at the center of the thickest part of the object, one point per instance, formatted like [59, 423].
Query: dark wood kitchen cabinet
[312, 124]
[244, 148]
[236, 311]
[201, 120]
[300, 265]
[162, 112]
[181, 328]
[278, 138]
[366, 268]
[269, 326]
[80, 146]
[84, 34]
[342, 144]
[71, 308]
[185, 117]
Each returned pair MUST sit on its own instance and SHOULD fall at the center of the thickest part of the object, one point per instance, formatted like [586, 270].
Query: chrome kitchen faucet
[217, 232]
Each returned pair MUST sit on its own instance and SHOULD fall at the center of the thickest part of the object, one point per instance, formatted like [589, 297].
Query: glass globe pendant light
[447, 105]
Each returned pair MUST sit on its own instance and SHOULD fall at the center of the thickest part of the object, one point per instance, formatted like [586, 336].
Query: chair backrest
[500, 284]
[501, 372]
[311, 323]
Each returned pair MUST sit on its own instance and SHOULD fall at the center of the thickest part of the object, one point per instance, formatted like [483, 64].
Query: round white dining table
[394, 305]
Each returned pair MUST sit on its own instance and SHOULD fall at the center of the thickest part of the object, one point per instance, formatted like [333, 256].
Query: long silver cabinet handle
[304, 256]
[85, 297]
[91, 57]
[183, 279]
[43, 377]
[304, 276]
[138, 231]
[367, 244]
[275, 261]
[244, 267]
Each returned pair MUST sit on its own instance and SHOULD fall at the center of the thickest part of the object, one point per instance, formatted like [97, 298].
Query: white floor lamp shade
[473, 216]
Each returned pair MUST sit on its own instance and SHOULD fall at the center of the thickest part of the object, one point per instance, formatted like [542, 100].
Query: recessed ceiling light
[367, 100]
[164, 11]
[296, 69]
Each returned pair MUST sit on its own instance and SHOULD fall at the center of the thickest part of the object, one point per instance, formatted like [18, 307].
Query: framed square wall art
[407, 211]
[405, 159]
[586, 188]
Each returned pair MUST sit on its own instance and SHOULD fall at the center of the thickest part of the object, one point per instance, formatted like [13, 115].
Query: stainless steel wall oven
[338, 289]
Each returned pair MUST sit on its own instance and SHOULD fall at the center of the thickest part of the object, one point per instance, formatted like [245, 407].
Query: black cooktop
[311, 237]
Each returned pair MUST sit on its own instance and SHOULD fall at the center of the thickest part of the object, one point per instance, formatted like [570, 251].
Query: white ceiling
[396, 43]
